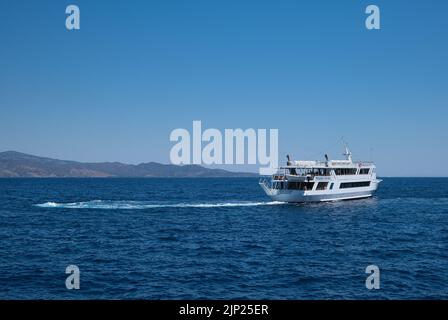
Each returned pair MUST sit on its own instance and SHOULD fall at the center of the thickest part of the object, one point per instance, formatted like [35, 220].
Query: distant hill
[16, 164]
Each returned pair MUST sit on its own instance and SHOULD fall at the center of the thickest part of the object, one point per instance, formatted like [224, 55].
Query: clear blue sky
[136, 70]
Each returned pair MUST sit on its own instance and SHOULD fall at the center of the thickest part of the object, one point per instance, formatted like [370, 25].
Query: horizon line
[168, 164]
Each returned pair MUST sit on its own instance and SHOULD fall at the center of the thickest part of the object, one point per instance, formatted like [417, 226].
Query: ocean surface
[219, 239]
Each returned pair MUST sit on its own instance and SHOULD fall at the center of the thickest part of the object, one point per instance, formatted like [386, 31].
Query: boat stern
[265, 184]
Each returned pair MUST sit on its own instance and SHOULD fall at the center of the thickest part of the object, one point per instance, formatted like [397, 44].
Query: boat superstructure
[329, 180]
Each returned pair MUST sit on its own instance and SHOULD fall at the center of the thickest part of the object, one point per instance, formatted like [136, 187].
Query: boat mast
[347, 153]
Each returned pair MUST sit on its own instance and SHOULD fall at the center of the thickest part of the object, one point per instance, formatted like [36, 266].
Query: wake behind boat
[315, 181]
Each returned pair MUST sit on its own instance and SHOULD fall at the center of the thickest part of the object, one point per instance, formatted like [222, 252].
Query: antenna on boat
[347, 153]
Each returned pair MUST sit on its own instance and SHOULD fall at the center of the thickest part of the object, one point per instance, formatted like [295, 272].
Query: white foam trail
[109, 204]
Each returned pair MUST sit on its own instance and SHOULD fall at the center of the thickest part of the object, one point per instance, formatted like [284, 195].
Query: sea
[219, 238]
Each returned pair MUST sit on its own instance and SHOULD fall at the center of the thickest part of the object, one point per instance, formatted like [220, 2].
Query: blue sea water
[219, 239]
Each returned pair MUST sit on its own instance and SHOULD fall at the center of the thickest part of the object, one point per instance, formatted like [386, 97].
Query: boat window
[318, 172]
[293, 185]
[300, 185]
[364, 171]
[331, 186]
[345, 171]
[309, 186]
[278, 185]
[346, 185]
[322, 186]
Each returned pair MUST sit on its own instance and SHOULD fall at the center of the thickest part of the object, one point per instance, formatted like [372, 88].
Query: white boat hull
[298, 196]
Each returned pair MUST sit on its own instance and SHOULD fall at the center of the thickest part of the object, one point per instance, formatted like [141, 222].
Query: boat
[317, 181]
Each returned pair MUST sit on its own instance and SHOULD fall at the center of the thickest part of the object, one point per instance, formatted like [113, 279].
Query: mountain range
[16, 164]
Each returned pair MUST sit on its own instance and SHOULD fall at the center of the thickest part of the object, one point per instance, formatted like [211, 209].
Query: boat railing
[328, 164]
[265, 183]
